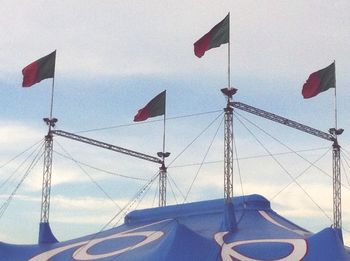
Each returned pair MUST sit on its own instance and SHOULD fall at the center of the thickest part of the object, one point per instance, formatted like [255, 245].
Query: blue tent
[248, 230]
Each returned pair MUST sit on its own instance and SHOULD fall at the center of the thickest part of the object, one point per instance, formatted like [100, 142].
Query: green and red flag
[218, 35]
[319, 81]
[155, 107]
[39, 70]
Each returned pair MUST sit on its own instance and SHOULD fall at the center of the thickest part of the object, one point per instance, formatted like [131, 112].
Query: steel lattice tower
[228, 145]
[162, 185]
[47, 170]
[337, 218]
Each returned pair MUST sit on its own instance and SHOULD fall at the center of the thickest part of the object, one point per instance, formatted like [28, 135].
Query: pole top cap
[163, 155]
[229, 92]
[335, 131]
[50, 121]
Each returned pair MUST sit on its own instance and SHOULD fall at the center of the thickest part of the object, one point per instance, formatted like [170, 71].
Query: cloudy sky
[114, 56]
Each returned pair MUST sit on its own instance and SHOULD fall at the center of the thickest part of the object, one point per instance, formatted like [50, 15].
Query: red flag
[319, 81]
[218, 35]
[41, 69]
[154, 108]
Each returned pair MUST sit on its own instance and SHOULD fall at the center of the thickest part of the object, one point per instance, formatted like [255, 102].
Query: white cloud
[84, 203]
[13, 134]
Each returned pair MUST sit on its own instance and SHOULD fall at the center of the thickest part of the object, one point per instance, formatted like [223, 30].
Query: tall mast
[46, 186]
[45, 234]
[47, 170]
[230, 221]
[228, 145]
[228, 126]
[337, 219]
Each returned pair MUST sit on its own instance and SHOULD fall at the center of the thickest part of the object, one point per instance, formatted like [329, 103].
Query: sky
[114, 56]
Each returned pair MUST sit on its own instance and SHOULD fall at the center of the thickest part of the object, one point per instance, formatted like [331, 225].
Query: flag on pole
[39, 70]
[155, 107]
[218, 35]
[319, 81]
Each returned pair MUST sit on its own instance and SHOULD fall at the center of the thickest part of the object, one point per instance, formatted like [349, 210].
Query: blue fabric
[194, 231]
[230, 222]
[45, 234]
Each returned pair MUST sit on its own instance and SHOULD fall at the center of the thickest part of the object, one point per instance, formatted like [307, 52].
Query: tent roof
[195, 231]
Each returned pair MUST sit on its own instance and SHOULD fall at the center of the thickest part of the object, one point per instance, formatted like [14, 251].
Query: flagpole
[335, 100]
[52, 93]
[164, 132]
[52, 89]
[229, 55]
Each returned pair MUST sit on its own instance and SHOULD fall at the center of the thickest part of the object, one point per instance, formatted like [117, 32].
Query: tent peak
[256, 202]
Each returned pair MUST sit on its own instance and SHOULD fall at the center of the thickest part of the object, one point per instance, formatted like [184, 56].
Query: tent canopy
[194, 231]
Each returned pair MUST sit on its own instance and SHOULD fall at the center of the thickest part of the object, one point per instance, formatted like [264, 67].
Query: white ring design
[228, 252]
[82, 252]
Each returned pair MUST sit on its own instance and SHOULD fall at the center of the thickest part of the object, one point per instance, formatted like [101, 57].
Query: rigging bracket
[105, 145]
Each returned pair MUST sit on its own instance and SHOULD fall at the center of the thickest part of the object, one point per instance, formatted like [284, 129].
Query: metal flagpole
[229, 55]
[164, 119]
[52, 93]
[52, 88]
[335, 100]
